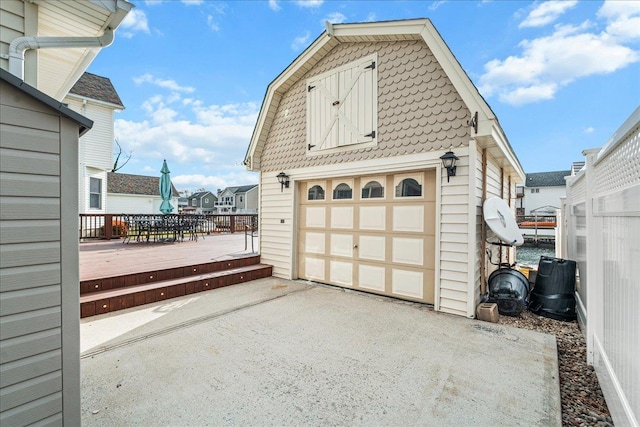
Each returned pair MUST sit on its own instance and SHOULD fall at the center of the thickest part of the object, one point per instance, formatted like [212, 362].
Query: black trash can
[553, 294]
[509, 289]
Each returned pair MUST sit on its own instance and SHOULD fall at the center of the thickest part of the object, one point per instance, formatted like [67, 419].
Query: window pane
[94, 201]
[95, 193]
[372, 190]
[342, 191]
[95, 185]
[316, 193]
[409, 188]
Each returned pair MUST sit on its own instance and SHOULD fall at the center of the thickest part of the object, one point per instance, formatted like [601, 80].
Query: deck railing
[541, 221]
[115, 226]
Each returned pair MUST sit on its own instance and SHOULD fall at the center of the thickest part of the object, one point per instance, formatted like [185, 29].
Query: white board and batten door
[372, 233]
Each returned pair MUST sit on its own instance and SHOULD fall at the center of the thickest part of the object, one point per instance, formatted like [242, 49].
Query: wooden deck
[112, 258]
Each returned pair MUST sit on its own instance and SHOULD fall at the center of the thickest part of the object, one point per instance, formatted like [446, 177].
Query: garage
[372, 233]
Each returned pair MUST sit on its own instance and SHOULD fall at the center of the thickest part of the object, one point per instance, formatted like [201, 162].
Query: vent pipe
[20, 45]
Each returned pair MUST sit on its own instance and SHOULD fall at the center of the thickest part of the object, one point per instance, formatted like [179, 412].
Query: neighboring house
[542, 192]
[39, 283]
[238, 200]
[204, 202]
[183, 202]
[96, 98]
[359, 122]
[136, 194]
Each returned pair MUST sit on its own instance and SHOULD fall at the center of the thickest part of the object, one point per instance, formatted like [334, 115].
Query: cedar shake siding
[418, 108]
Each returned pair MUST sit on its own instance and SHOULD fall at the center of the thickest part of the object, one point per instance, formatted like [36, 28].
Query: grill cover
[510, 290]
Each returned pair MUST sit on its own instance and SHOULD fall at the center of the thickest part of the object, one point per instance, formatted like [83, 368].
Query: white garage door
[372, 233]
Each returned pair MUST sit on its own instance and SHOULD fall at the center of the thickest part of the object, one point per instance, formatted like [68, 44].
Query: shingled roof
[547, 179]
[96, 87]
[241, 189]
[122, 183]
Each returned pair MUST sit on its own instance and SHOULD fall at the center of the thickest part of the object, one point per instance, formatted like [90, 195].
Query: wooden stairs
[108, 294]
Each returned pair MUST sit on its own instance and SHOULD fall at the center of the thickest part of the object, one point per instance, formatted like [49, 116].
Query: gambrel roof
[96, 87]
[489, 133]
[122, 183]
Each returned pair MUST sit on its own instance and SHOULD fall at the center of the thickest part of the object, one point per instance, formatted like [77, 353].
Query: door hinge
[310, 146]
[310, 87]
[372, 66]
[371, 135]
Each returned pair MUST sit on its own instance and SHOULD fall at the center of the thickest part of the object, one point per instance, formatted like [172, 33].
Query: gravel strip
[582, 400]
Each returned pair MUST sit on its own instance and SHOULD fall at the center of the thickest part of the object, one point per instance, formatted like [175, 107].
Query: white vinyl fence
[602, 234]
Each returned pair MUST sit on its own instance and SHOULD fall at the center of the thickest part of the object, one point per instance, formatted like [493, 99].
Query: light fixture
[449, 162]
[283, 179]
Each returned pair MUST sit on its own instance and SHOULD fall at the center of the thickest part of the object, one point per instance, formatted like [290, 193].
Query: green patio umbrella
[165, 190]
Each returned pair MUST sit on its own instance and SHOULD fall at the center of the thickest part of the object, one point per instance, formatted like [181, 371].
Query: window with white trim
[342, 107]
[372, 190]
[342, 191]
[95, 193]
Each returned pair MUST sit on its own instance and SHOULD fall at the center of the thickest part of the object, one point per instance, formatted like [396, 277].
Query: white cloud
[135, 21]
[300, 41]
[547, 12]
[211, 138]
[192, 2]
[163, 83]
[273, 5]
[436, 4]
[211, 22]
[548, 63]
[588, 130]
[309, 3]
[623, 19]
[153, 2]
[371, 17]
[335, 18]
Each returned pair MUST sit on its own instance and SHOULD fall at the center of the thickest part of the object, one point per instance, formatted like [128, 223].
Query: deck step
[105, 301]
[134, 279]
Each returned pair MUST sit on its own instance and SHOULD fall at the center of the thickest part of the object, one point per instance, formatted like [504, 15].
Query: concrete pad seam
[185, 324]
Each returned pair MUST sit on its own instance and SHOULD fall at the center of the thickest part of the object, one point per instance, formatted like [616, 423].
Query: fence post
[594, 297]
[108, 226]
[232, 223]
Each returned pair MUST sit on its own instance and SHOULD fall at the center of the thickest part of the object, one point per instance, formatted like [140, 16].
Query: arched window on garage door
[316, 193]
[372, 190]
[342, 191]
[408, 187]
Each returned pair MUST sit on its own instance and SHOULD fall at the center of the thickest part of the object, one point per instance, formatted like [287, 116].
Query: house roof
[98, 88]
[201, 194]
[122, 183]
[489, 134]
[84, 123]
[547, 179]
[241, 189]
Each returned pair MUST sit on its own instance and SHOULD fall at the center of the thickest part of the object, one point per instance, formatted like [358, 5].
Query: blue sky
[561, 76]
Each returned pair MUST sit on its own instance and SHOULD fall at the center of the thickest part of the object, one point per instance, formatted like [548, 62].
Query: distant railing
[116, 226]
[533, 221]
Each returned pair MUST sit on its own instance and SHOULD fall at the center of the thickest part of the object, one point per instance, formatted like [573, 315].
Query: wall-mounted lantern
[283, 179]
[449, 162]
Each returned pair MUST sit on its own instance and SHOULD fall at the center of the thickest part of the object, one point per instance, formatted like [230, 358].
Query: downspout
[20, 45]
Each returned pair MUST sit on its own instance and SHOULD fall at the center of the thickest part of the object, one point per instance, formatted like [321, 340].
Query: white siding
[455, 241]
[278, 220]
[12, 26]
[97, 144]
[545, 196]
[136, 204]
[39, 293]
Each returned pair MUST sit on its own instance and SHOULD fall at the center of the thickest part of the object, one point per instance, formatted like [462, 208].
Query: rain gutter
[20, 45]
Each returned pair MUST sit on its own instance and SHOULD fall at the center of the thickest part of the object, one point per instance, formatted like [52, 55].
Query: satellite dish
[499, 217]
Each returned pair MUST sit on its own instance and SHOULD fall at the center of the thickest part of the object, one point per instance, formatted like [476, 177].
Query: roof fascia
[488, 124]
[273, 95]
[84, 123]
[96, 101]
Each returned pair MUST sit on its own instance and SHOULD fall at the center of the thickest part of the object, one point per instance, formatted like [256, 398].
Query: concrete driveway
[277, 352]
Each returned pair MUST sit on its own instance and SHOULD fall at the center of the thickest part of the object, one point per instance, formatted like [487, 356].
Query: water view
[531, 254]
